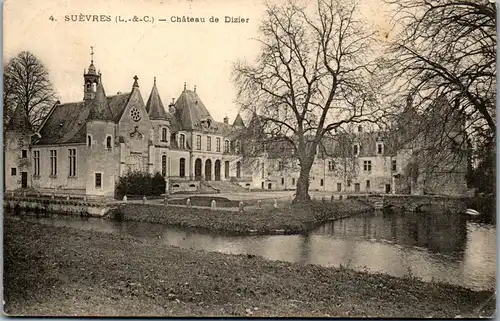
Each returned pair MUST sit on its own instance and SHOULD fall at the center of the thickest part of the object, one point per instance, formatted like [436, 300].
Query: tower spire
[91, 54]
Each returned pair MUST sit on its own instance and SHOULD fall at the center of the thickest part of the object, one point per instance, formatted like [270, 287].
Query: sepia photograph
[271, 158]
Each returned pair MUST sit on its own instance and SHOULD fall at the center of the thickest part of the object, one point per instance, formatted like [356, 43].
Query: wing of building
[84, 147]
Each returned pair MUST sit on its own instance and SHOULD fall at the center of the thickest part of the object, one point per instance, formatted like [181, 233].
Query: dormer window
[331, 165]
[281, 165]
[182, 141]
[380, 148]
[355, 149]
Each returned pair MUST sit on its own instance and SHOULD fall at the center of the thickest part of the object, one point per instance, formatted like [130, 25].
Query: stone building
[84, 147]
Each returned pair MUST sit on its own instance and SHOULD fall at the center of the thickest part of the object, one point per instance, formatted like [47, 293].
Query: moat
[449, 248]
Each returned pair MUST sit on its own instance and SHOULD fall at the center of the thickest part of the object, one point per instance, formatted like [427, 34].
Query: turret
[91, 79]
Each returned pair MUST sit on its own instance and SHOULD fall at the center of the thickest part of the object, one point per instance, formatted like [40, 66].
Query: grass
[62, 271]
[288, 219]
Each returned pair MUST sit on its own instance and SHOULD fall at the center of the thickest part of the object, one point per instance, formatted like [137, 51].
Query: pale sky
[198, 54]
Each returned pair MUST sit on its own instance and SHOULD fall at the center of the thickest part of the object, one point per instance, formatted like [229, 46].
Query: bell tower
[91, 79]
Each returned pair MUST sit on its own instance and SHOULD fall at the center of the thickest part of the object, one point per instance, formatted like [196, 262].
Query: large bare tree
[27, 84]
[447, 48]
[314, 74]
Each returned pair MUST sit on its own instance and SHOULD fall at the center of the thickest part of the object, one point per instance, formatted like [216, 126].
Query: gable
[127, 124]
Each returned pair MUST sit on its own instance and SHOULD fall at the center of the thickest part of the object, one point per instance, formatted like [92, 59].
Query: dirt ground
[62, 271]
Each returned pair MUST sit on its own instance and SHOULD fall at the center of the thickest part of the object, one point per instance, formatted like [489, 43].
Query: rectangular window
[72, 162]
[380, 148]
[355, 149]
[367, 185]
[282, 181]
[367, 166]
[53, 162]
[339, 187]
[164, 165]
[226, 146]
[218, 144]
[182, 141]
[281, 165]
[198, 142]
[321, 182]
[13, 171]
[394, 165]
[36, 163]
[209, 143]
[331, 166]
[163, 134]
[293, 181]
[98, 180]
[24, 153]
[348, 183]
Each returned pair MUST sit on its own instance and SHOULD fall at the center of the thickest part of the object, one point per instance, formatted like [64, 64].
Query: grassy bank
[290, 219]
[62, 271]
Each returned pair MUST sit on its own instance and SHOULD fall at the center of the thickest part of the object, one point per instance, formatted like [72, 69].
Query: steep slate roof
[154, 106]
[66, 124]
[190, 110]
[99, 107]
[117, 105]
[19, 120]
[238, 121]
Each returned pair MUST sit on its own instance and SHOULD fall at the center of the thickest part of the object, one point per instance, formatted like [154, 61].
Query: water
[449, 248]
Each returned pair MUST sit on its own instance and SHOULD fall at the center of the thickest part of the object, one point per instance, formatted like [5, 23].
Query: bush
[140, 183]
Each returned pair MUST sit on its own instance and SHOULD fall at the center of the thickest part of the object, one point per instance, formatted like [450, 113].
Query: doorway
[217, 170]
[24, 179]
[197, 169]
[356, 187]
[208, 170]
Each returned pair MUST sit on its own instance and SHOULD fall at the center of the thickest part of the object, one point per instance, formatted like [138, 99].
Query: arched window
[182, 167]
[94, 87]
[89, 140]
[226, 146]
[238, 170]
[108, 142]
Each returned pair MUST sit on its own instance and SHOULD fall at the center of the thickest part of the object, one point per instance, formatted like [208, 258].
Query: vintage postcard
[326, 158]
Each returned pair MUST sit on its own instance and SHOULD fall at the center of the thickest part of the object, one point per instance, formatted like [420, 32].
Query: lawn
[285, 219]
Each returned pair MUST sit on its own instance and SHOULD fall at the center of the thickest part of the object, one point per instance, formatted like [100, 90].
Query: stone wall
[63, 206]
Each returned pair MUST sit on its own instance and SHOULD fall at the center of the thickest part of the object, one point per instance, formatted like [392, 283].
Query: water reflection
[446, 248]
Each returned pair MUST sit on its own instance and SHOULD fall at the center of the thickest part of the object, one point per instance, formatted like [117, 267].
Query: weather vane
[91, 54]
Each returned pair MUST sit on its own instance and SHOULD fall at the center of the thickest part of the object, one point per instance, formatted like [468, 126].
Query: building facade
[84, 147]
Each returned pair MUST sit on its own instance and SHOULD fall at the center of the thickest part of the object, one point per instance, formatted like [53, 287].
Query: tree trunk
[302, 191]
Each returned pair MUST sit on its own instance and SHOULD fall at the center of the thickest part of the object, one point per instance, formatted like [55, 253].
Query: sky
[198, 54]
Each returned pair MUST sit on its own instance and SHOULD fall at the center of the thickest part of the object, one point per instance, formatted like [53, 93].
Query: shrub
[140, 183]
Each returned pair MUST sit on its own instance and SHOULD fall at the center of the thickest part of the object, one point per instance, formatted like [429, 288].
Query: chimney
[171, 107]
[226, 120]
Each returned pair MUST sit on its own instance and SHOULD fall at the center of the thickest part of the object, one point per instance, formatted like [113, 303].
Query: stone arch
[208, 170]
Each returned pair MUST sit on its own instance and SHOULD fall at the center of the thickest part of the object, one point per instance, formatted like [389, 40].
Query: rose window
[135, 114]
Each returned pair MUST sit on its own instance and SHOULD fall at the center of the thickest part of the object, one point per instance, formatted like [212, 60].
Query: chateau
[84, 147]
